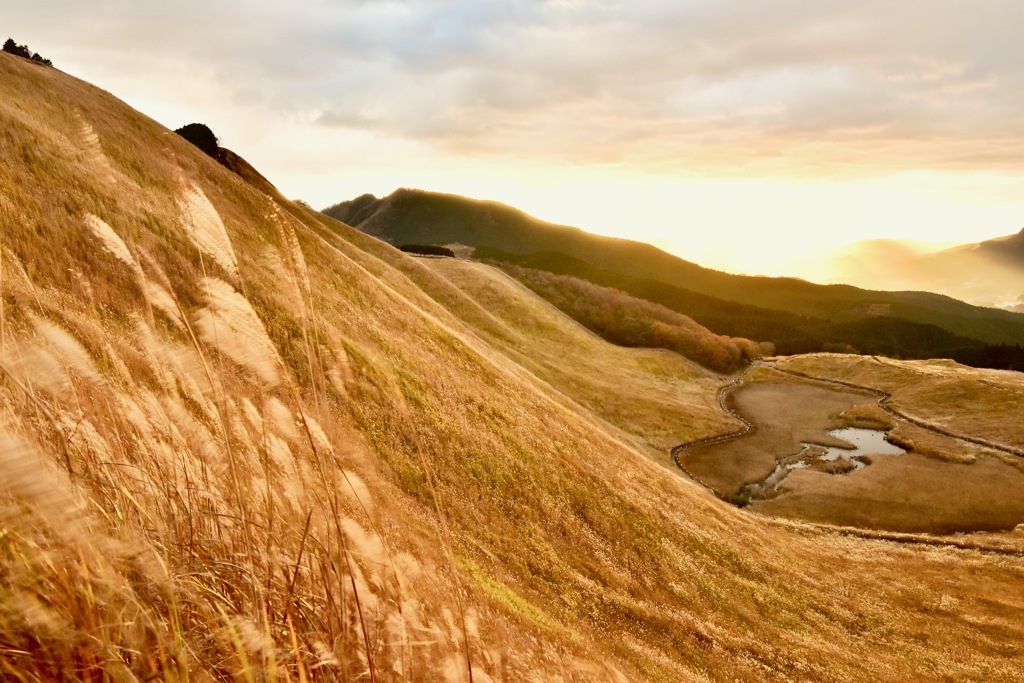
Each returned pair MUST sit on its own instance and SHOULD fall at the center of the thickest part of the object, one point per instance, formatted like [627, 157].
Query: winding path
[883, 403]
[745, 429]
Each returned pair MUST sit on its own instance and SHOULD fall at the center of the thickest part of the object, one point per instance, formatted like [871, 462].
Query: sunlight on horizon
[759, 227]
[737, 135]
[754, 224]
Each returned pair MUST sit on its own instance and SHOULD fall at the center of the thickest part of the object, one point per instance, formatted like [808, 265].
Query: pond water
[863, 442]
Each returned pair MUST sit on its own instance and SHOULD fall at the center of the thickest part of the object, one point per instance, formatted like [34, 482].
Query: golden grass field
[241, 441]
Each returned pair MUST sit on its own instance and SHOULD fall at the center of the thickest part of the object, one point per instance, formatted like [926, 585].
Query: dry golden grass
[909, 493]
[414, 497]
[651, 394]
[963, 400]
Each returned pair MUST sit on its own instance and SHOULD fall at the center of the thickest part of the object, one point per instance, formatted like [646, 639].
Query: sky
[744, 135]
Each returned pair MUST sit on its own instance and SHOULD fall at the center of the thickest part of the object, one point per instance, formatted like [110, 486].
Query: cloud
[791, 87]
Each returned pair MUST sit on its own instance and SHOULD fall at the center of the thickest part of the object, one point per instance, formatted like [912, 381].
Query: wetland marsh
[812, 452]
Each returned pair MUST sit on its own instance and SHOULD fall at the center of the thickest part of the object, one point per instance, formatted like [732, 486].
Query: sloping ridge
[1008, 250]
[413, 216]
[408, 215]
[240, 440]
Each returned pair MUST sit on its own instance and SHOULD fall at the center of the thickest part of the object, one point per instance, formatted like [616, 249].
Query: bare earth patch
[910, 493]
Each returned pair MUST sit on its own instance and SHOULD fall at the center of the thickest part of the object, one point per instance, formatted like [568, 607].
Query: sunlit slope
[984, 405]
[654, 394]
[239, 440]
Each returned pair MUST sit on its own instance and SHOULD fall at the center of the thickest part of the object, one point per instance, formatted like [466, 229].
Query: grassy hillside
[629, 321]
[239, 440]
[414, 216]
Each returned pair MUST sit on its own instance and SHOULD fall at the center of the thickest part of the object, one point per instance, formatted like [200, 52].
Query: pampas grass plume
[229, 324]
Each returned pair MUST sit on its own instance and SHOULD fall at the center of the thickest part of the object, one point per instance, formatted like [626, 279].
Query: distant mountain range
[798, 316]
[989, 273]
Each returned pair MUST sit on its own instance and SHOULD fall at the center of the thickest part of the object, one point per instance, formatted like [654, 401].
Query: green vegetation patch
[506, 596]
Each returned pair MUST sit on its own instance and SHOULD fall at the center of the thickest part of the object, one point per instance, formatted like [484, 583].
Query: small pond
[830, 459]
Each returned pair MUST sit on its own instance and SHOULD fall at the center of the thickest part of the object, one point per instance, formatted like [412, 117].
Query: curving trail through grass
[883, 402]
[746, 426]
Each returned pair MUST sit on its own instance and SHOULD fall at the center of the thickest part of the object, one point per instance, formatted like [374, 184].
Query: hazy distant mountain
[1008, 250]
[798, 316]
[989, 273]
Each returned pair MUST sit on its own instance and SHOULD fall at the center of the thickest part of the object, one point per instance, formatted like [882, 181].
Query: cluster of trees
[628, 321]
[426, 250]
[1003, 356]
[790, 333]
[22, 51]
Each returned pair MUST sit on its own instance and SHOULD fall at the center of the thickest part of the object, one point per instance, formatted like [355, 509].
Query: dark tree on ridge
[200, 135]
[13, 48]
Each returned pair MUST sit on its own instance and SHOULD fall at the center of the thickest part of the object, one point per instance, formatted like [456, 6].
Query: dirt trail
[745, 428]
[883, 403]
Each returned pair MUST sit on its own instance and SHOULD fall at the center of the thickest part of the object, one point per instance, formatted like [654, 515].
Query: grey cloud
[656, 83]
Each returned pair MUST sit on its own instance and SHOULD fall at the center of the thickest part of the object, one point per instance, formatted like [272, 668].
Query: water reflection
[863, 442]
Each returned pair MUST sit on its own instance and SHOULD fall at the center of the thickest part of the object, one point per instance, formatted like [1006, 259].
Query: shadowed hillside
[790, 333]
[240, 440]
[416, 216]
[628, 321]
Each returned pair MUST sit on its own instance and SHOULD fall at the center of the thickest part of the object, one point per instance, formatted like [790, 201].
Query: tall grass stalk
[444, 535]
[3, 297]
[220, 401]
[330, 489]
[316, 368]
[41, 407]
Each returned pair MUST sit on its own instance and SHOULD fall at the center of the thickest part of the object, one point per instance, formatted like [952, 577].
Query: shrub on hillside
[22, 51]
[200, 135]
[426, 250]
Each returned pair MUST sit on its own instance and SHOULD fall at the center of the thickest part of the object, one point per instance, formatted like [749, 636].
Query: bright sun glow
[770, 227]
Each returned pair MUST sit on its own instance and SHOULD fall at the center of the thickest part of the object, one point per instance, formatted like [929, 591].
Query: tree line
[789, 332]
[625, 320]
[13, 48]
